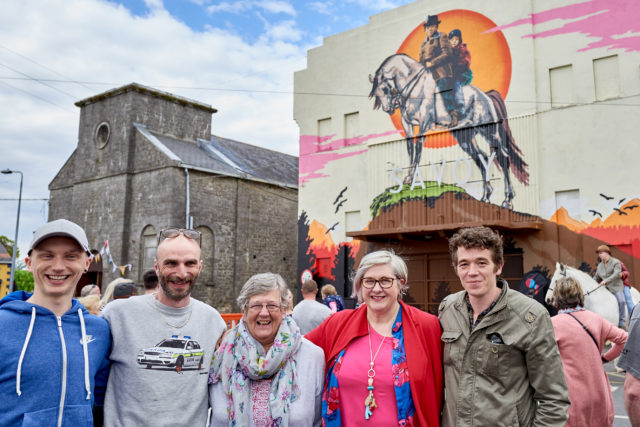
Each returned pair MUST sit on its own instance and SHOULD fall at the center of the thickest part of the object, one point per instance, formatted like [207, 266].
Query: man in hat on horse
[436, 55]
[608, 274]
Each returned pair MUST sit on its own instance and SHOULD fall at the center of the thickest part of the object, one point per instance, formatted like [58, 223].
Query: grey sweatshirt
[160, 362]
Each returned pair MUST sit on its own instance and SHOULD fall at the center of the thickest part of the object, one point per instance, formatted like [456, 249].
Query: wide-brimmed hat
[60, 228]
[603, 248]
[431, 20]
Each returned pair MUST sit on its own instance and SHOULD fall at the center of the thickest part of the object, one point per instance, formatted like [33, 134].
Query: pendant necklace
[370, 401]
[180, 326]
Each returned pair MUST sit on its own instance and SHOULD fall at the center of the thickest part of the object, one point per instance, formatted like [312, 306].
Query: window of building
[351, 125]
[561, 80]
[324, 130]
[149, 240]
[606, 77]
[569, 200]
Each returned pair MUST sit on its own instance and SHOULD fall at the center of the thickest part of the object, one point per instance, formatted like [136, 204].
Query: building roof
[5, 258]
[137, 87]
[228, 157]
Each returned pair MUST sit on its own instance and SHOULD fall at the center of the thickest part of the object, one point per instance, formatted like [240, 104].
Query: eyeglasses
[271, 308]
[385, 282]
[169, 233]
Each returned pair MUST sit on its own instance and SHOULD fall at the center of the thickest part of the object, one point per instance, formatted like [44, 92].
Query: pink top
[352, 380]
[589, 390]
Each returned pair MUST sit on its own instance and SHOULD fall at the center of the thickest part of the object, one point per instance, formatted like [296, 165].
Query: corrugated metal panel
[443, 162]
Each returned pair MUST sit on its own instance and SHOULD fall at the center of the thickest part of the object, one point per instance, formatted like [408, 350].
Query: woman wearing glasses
[264, 373]
[385, 363]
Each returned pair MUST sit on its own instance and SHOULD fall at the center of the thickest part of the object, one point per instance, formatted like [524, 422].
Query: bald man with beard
[163, 343]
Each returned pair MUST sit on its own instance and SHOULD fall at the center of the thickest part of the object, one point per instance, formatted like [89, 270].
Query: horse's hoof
[507, 205]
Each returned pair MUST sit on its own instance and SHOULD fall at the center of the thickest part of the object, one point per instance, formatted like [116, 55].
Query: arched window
[208, 258]
[148, 248]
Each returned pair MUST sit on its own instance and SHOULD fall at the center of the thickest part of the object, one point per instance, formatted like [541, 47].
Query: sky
[238, 56]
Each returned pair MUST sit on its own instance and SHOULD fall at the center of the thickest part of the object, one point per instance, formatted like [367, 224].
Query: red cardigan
[422, 346]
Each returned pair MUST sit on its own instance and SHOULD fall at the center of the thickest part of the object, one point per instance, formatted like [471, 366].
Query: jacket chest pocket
[452, 344]
[497, 355]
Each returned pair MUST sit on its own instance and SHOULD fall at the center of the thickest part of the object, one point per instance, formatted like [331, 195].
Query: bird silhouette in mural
[339, 196]
[631, 207]
[622, 200]
[333, 227]
[339, 205]
[594, 213]
[620, 212]
[606, 197]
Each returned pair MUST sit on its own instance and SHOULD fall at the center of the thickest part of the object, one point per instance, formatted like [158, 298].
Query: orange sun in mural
[490, 56]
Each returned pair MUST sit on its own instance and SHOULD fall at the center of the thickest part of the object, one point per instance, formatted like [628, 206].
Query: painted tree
[306, 256]
[342, 268]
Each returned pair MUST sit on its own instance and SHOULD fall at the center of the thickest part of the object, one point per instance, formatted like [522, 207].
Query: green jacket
[610, 274]
[516, 380]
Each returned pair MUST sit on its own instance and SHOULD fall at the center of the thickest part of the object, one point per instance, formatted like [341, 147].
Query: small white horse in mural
[596, 297]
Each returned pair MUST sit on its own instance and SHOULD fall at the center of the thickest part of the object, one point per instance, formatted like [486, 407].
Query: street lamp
[15, 241]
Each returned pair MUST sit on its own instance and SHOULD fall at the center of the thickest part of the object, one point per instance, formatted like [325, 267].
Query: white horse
[596, 297]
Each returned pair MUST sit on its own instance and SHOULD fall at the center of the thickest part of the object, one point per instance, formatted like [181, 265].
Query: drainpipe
[186, 217]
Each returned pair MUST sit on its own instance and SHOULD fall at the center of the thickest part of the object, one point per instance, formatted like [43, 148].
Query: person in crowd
[91, 289]
[581, 335]
[107, 296]
[436, 55]
[150, 281]
[309, 313]
[265, 373]
[289, 297]
[624, 276]
[54, 362]
[163, 343]
[331, 299]
[383, 360]
[124, 290]
[91, 303]
[630, 362]
[608, 274]
[460, 66]
[501, 362]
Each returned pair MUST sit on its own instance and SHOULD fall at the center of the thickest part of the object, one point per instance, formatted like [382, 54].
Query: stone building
[147, 160]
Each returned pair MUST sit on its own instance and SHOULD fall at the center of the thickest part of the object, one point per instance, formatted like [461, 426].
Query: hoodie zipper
[64, 372]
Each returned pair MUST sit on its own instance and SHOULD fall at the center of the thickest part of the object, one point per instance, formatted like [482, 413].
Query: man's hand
[428, 64]
[603, 283]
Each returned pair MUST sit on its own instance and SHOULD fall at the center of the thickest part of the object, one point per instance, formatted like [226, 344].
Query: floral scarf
[400, 371]
[241, 359]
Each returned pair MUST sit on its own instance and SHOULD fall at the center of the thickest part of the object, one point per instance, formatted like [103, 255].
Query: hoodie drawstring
[24, 349]
[87, 383]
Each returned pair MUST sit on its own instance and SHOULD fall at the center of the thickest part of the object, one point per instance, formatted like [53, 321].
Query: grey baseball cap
[60, 228]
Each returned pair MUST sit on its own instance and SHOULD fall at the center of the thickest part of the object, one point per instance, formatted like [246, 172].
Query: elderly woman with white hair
[265, 373]
[384, 359]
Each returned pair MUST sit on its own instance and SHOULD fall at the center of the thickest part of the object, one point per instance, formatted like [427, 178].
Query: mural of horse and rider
[430, 98]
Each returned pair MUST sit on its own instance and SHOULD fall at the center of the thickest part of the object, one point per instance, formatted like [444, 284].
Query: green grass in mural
[431, 191]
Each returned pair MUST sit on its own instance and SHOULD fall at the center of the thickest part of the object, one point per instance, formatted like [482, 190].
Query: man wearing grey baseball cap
[55, 354]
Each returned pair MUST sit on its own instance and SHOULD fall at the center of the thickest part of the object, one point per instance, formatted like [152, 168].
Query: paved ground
[616, 379]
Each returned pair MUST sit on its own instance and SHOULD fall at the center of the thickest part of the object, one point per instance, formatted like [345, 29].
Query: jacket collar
[497, 314]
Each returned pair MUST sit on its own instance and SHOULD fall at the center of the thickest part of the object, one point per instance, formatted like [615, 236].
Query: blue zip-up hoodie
[37, 387]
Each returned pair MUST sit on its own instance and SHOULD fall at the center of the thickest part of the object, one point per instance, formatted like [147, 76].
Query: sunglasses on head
[169, 233]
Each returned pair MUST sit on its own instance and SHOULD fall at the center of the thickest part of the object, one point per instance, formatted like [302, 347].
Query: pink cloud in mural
[316, 152]
[615, 24]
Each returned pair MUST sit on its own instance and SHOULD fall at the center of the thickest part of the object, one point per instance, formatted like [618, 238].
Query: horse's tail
[518, 165]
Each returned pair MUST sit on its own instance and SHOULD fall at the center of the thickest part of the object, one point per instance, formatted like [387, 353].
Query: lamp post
[15, 241]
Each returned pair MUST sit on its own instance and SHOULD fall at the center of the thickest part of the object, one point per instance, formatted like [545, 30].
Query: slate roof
[4, 255]
[228, 157]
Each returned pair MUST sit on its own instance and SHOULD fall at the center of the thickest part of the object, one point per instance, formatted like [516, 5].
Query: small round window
[102, 135]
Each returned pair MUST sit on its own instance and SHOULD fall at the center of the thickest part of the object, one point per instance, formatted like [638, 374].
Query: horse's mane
[586, 281]
[377, 79]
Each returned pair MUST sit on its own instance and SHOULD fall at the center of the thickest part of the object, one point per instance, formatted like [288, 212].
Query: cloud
[272, 6]
[376, 5]
[269, 6]
[322, 7]
[90, 46]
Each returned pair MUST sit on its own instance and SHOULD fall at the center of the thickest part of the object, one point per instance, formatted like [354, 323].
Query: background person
[608, 274]
[309, 313]
[265, 355]
[385, 344]
[91, 303]
[624, 276]
[581, 353]
[331, 299]
[54, 361]
[107, 296]
[124, 290]
[150, 281]
[91, 289]
[630, 362]
[501, 362]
